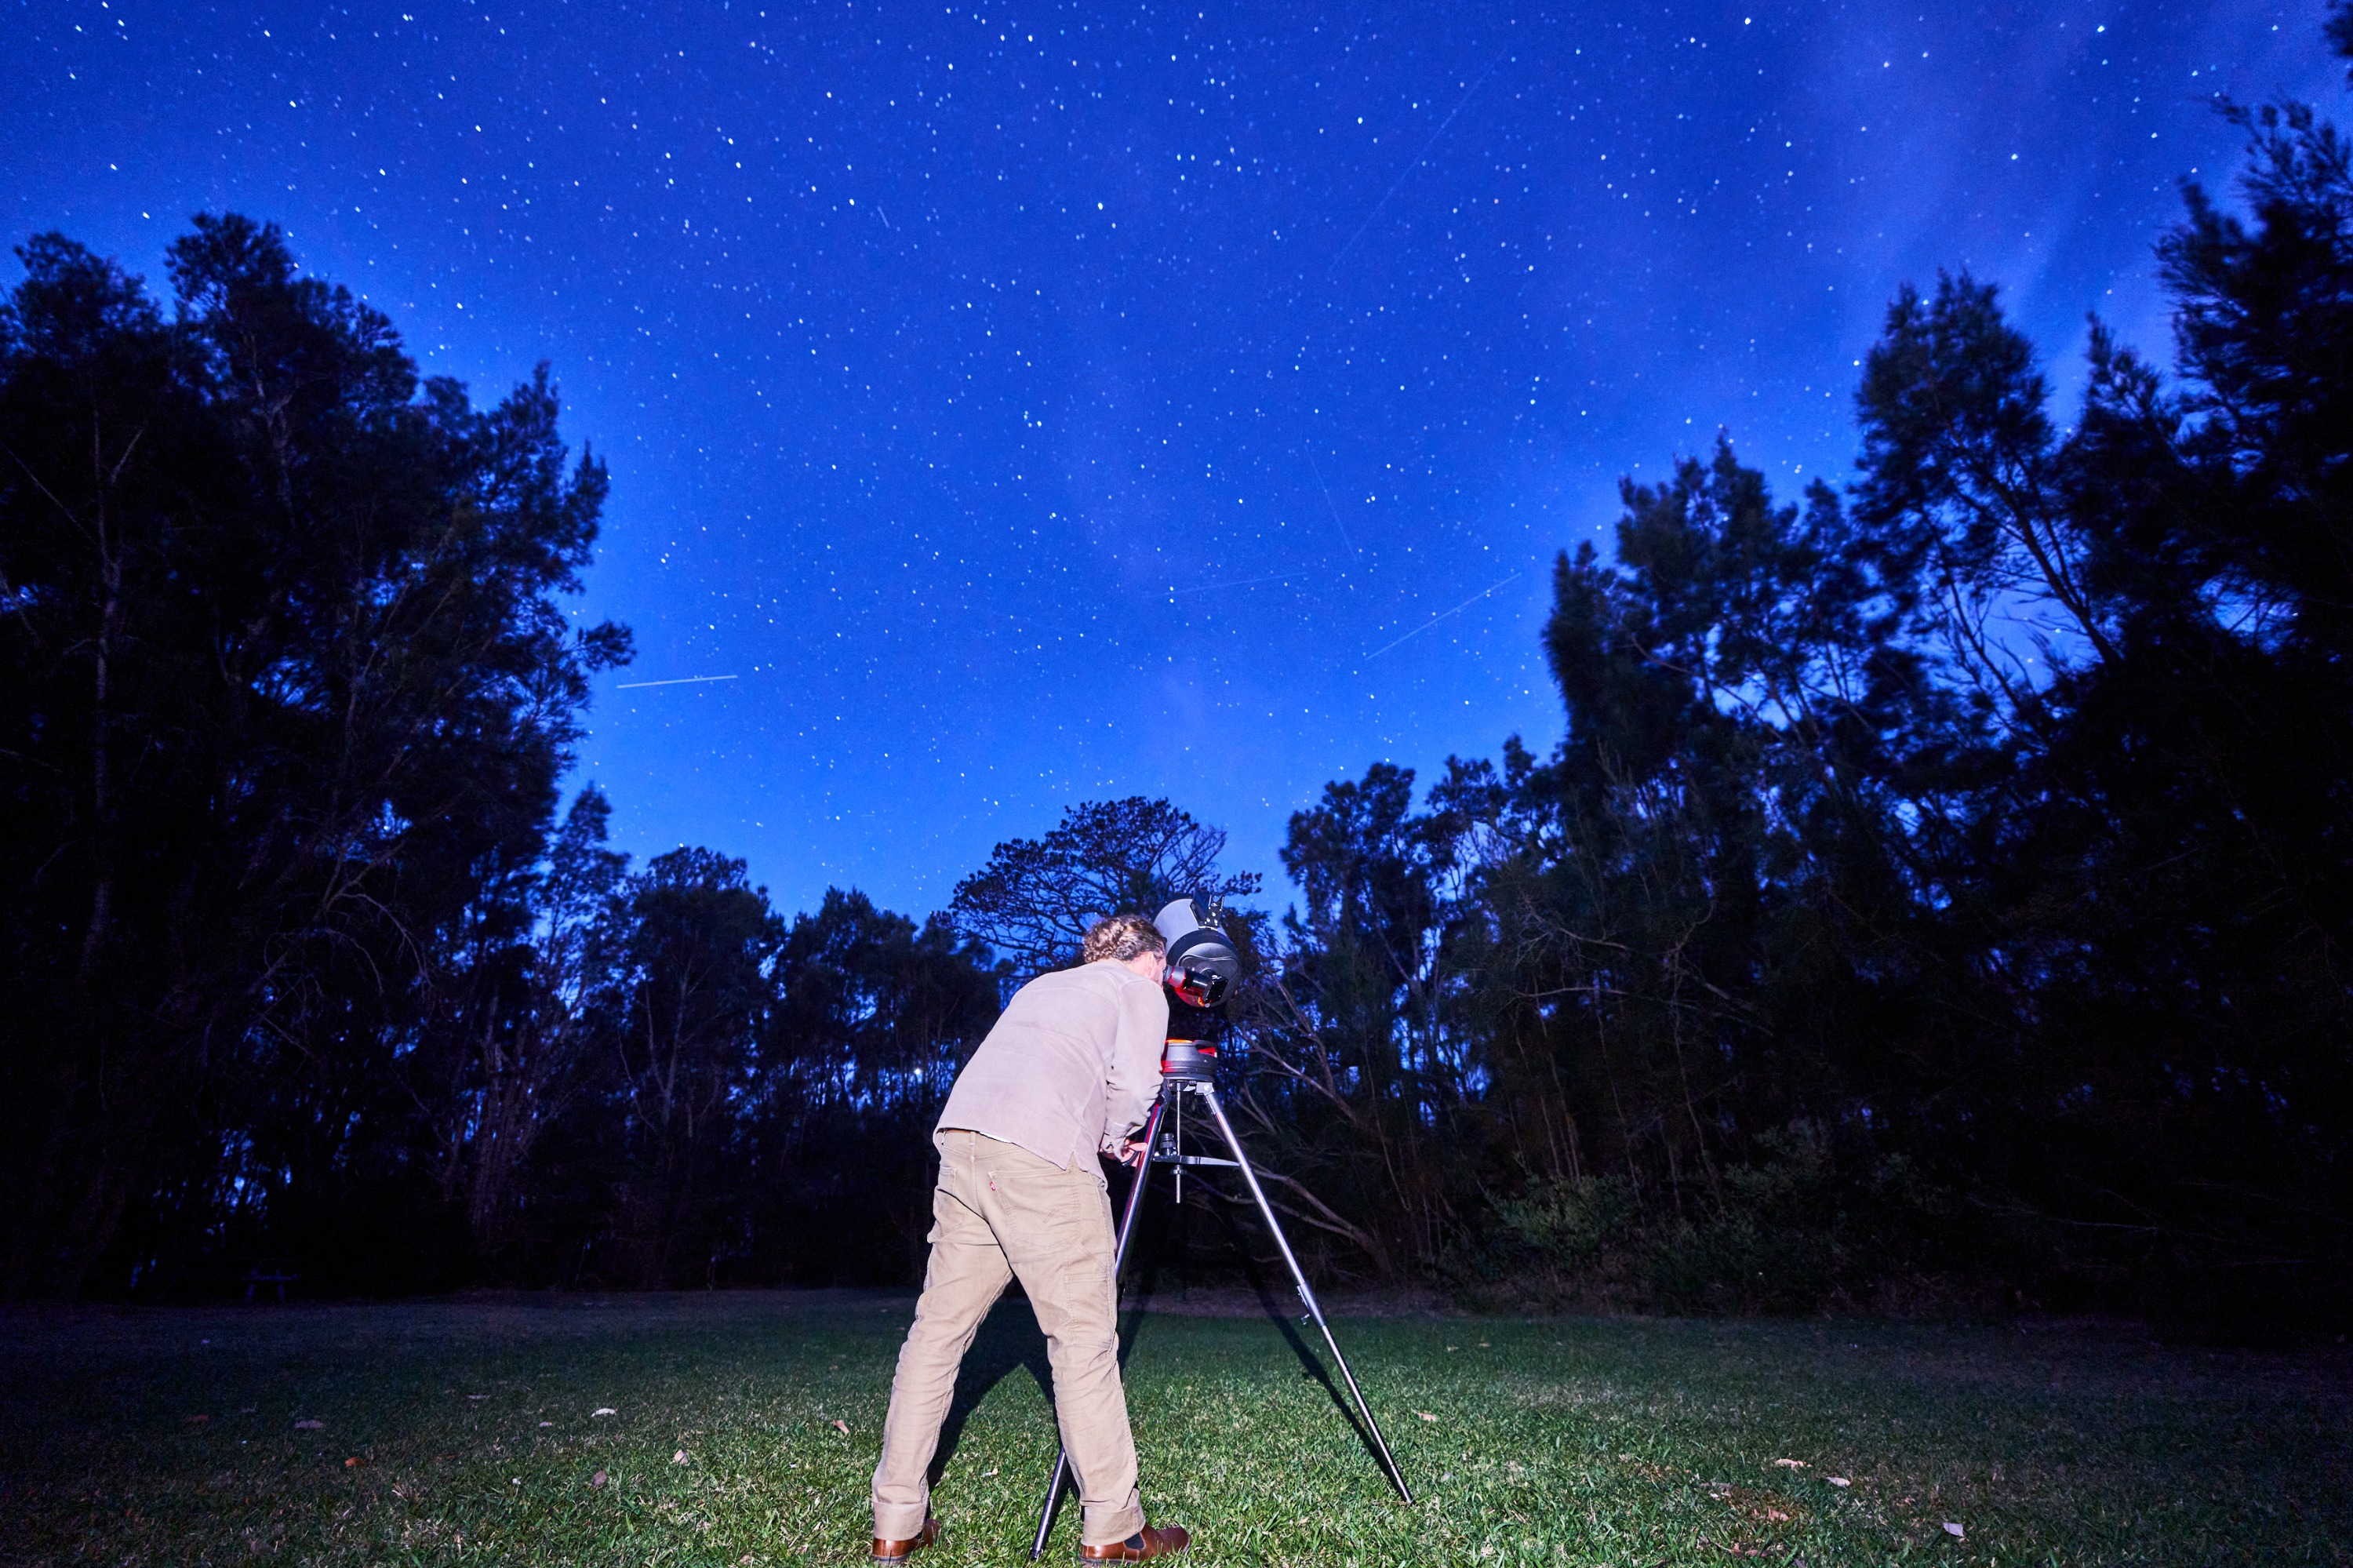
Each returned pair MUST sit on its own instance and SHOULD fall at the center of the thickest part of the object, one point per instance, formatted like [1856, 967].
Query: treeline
[1945, 888]
[301, 972]
[1940, 896]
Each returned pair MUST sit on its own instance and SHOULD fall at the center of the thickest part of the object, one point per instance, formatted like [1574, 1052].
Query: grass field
[737, 1429]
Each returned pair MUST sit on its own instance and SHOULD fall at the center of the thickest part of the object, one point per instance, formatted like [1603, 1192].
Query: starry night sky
[1029, 403]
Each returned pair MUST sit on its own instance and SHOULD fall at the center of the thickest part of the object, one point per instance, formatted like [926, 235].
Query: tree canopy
[1941, 890]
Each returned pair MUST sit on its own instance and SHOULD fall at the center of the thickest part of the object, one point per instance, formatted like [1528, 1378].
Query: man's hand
[1130, 1152]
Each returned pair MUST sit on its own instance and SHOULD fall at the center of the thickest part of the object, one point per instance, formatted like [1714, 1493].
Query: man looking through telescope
[1071, 1069]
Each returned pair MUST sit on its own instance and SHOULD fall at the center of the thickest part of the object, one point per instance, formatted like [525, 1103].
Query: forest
[1940, 898]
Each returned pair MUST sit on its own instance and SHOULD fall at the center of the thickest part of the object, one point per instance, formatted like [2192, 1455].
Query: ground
[740, 1429]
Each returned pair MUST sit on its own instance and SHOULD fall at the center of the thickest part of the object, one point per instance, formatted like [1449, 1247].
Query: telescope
[1203, 965]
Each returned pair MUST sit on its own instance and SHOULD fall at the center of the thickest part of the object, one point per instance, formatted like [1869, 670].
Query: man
[1071, 1069]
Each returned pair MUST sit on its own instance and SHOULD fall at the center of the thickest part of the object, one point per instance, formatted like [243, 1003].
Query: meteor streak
[1238, 582]
[1441, 614]
[1418, 157]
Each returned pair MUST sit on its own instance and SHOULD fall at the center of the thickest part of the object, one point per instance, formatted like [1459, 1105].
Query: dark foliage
[301, 970]
[288, 694]
[877, 1014]
[1942, 889]
[1942, 892]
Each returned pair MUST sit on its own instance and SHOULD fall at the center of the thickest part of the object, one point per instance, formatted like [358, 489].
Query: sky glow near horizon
[1009, 406]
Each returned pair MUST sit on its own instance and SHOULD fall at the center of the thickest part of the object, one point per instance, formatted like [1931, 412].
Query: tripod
[1184, 1070]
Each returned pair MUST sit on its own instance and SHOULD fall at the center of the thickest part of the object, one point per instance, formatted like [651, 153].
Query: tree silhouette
[1036, 898]
[287, 695]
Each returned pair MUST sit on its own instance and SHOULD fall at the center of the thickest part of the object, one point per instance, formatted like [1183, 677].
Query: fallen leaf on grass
[1756, 1507]
[309, 1427]
[547, 1424]
[1425, 1415]
[604, 1410]
[477, 1396]
[354, 1463]
[597, 1479]
[679, 1457]
[1790, 1464]
[842, 1427]
[1837, 1481]
[1953, 1530]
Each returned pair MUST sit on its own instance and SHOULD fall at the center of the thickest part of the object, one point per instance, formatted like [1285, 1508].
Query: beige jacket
[1073, 1064]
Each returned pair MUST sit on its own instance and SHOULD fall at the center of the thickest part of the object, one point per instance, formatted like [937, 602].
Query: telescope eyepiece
[1197, 987]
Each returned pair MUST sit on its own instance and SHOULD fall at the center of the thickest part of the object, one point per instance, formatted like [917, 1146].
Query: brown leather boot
[899, 1550]
[1152, 1541]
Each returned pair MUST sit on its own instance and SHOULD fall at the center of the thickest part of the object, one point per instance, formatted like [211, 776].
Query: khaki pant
[1001, 1212]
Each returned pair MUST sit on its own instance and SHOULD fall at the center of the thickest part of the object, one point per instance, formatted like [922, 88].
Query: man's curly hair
[1121, 938]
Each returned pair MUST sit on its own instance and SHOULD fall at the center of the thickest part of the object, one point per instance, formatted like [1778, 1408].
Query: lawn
[740, 1429]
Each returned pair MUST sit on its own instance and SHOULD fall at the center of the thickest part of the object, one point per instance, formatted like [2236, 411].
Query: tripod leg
[1134, 1207]
[1299, 1278]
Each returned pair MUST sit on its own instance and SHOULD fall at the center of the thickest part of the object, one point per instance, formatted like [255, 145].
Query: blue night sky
[1032, 403]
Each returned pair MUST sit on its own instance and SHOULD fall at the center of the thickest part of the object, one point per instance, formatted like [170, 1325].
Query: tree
[287, 683]
[1354, 1072]
[698, 994]
[1036, 898]
[877, 1014]
[520, 1027]
[1962, 480]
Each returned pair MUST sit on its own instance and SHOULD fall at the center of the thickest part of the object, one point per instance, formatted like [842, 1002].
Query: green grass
[171, 1436]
